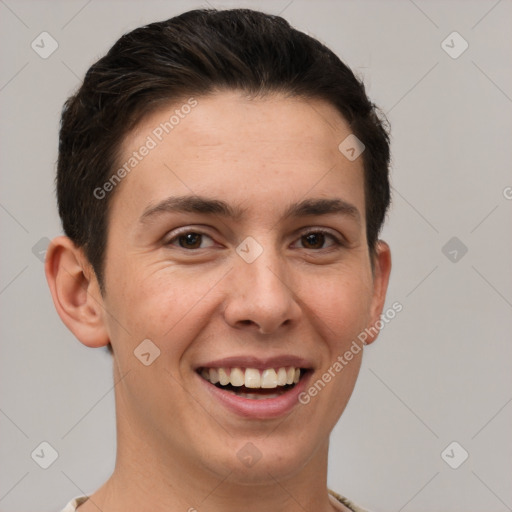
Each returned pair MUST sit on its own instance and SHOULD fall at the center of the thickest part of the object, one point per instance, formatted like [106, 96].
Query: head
[235, 118]
[198, 54]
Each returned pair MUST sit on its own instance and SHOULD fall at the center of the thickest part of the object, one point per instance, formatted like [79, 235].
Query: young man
[222, 180]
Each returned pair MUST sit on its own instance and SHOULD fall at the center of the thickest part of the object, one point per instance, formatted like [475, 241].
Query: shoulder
[351, 506]
[74, 504]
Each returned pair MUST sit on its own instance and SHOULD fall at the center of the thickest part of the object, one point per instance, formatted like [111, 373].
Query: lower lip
[263, 408]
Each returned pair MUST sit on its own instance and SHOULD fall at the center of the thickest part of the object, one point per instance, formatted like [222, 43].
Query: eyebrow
[205, 205]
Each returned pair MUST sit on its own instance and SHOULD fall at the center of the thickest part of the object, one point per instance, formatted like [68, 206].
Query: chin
[264, 460]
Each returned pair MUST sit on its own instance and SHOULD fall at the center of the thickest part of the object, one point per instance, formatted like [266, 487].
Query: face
[258, 274]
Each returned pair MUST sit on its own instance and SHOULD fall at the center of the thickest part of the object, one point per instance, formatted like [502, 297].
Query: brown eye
[190, 240]
[315, 240]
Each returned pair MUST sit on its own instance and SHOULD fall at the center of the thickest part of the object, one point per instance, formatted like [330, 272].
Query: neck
[151, 476]
[154, 473]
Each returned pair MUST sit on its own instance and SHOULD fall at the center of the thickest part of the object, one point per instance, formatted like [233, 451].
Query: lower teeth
[254, 396]
[263, 394]
[251, 395]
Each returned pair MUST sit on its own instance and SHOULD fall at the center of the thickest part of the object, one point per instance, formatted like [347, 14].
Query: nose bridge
[268, 278]
[260, 290]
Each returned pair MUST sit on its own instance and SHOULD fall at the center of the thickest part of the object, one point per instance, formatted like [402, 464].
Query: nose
[260, 295]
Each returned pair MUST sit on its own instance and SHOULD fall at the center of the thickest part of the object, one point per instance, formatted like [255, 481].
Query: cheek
[158, 304]
[341, 304]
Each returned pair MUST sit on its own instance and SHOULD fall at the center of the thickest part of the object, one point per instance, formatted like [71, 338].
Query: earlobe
[75, 292]
[381, 272]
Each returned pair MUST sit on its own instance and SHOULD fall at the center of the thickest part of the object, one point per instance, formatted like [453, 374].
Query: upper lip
[258, 363]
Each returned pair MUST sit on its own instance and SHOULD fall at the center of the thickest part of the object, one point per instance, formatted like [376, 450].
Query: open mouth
[253, 383]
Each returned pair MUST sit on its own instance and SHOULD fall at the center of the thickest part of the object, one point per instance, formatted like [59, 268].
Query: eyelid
[338, 239]
[176, 233]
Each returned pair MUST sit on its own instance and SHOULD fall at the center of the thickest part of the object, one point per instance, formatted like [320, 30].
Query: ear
[381, 272]
[75, 292]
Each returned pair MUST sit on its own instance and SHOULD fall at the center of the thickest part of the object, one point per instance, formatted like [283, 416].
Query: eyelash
[337, 242]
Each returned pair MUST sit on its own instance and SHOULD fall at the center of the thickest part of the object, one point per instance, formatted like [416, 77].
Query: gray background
[440, 371]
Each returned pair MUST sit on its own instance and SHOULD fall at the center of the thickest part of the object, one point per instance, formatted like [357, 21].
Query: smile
[258, 388]
[269, 391]
[253, 383]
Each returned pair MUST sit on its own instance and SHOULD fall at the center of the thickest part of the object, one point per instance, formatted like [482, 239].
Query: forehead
[229, 145]
[227, 118]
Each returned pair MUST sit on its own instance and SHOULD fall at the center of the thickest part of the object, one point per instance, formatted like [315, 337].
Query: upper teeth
[251, 377]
